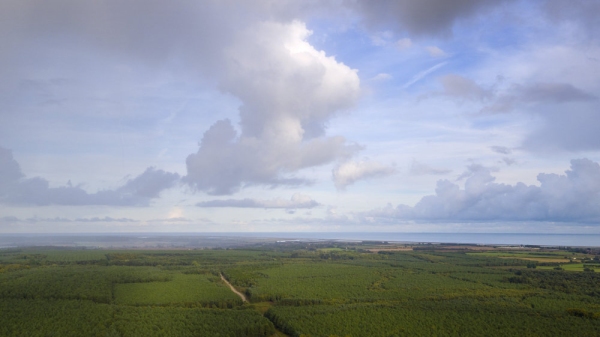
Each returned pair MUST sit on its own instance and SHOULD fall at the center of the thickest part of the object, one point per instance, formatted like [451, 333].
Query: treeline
[74, 282]
[568, 282]
[67, 318]
[456, 317]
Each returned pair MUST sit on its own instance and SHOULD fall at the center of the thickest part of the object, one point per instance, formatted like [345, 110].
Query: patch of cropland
[300, 289]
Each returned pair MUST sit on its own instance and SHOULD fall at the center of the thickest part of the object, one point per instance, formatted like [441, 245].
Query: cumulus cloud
[15, 189]
[350, 172]
[297, 201]
[572, 197]
[417, 168]
[289, 91]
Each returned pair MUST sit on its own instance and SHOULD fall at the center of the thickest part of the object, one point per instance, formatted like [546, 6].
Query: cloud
[568, 114]
[509, 161]
[15, 189]
[297, 201]
[435, 51]
[174, 219]
[425, 17]
[572, 197]
[289, 91]
[520, 95]
[417, 169]
[257, 53]
[105, 219]
[382, 77]
[460, 87]
[404, 43]
[552, 93]
[350, 172]
[419, 76]
[64, 220]
[501, 149]
[583, 13]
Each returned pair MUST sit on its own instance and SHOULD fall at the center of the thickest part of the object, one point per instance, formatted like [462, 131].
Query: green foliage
[182, 322]
[459, 317]
[35, 317]
[302, 289]
[206, 290]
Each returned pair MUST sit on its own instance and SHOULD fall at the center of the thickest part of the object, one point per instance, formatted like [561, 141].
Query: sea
[584, 240]
[236, 239]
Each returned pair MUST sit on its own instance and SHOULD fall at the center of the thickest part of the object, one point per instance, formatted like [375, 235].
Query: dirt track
[234, 290]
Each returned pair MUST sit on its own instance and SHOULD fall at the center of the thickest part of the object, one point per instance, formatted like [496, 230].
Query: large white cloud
[572, 197]
[289, 91]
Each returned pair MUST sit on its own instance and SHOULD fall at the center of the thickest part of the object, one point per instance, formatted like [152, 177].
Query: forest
[298, 289]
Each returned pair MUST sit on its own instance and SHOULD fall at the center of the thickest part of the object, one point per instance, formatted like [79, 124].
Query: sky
[462, 116]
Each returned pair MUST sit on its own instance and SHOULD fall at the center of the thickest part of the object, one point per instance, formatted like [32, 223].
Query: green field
[294, 289]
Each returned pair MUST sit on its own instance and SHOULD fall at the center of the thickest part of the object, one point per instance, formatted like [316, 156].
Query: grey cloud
[417, 168]
[63, 220]
[55, 219]
[17, 190]
[572, 197]
[463, 88]
[424, 17]
[537, 93]
[105, 219]
[149, 184]
[569, 115]
[583, 13]
[178, 219]
[574, 131]
[501, 149]
[297, 201]
[552, 93]
[226, 162]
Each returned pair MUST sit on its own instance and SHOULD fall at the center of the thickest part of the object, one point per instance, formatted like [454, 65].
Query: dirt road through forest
[234, 290]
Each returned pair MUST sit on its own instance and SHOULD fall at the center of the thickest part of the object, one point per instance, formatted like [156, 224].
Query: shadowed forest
[301, 289]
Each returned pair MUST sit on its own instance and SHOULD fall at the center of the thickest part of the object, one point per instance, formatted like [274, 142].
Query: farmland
[300, 289]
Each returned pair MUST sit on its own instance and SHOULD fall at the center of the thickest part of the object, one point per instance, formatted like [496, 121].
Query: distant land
[241, 239]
